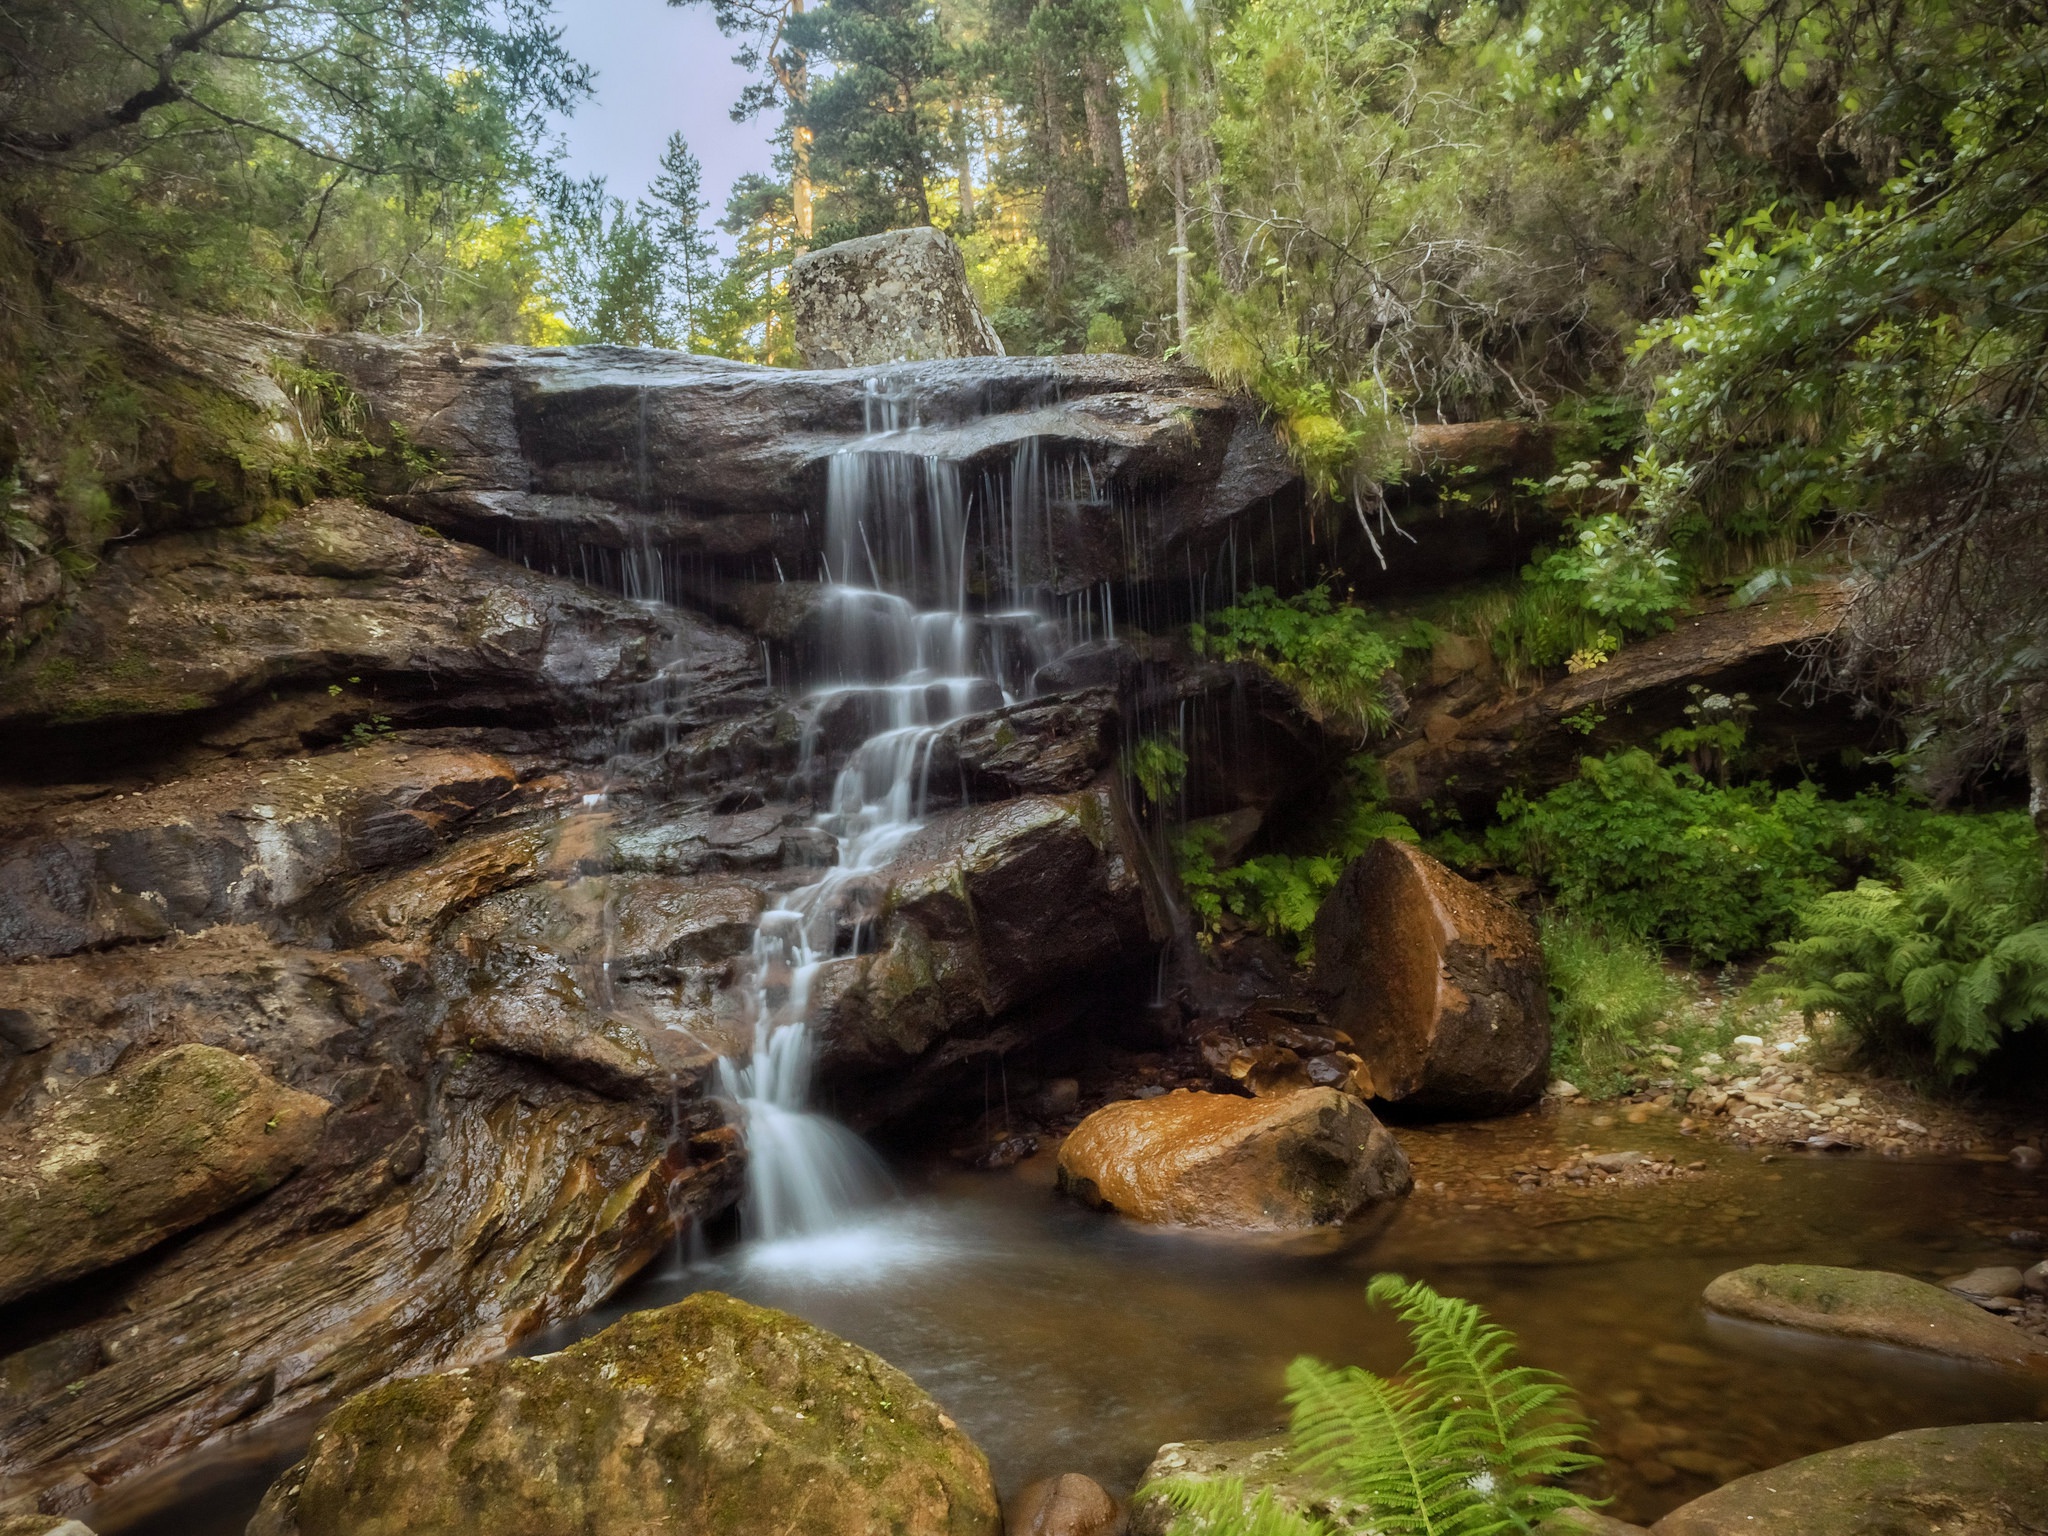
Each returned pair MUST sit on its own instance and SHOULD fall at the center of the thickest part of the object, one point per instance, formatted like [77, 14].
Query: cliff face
[444, 816]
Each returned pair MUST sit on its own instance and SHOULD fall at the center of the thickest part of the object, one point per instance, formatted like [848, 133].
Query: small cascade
[907, 655]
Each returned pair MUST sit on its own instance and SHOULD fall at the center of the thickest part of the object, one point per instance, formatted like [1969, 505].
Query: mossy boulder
[1971, 1480]
[119, 1164]
[711, 1417]
[1872, 1304]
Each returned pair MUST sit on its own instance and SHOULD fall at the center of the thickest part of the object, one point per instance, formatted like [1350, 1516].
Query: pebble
[2035, 1281]
[2026, 1159]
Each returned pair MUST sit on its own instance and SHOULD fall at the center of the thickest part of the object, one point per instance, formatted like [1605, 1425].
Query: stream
[1066, 1340]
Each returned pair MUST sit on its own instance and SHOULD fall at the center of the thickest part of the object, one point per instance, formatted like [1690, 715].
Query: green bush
[1606, 996]
[1636, 847]
[1459, 1444]
[1278, 893]
[1948, 959]
[1334, 654]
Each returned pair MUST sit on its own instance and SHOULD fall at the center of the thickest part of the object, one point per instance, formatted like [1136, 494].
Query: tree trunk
[1181, 254]
[2034, 719]
[1106, 147]
[798, 88]
[963, 147]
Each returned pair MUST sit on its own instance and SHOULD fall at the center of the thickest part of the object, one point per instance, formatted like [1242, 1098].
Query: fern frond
[1521, 1416]
[1221, 1507]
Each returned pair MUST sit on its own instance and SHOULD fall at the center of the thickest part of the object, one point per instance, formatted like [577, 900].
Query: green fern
[1953, 957]
[1461, 1444]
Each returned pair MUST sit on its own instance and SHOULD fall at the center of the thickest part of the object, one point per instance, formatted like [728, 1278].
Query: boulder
[1310, 1158]
[1255, 1463]
[1587, 1522]
[41, 1525]
[900, 296]
[1067, 1505]
[1438, 984]
[983, 909]
[1970, 1480]
[116, 1166]
[1872, 1304]
[1994, 1281]
[708, 1416]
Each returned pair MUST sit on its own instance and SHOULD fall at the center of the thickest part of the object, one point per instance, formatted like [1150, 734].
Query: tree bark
[2034, 720]
[1106, 148]
[963, 148]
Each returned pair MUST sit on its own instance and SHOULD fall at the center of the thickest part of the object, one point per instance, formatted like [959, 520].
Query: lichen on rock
[711, 1416]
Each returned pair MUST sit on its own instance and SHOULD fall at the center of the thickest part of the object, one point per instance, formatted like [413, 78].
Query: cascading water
[905, 652]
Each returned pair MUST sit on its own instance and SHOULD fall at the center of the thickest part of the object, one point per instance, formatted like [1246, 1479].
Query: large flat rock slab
[1973, 1480]
[1875, 1305]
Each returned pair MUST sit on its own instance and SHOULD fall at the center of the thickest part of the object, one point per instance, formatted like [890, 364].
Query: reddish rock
[1067, 1505]
[1216, 1160]
[1438, 984]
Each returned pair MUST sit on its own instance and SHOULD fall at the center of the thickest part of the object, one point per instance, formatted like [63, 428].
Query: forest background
[1775, 273]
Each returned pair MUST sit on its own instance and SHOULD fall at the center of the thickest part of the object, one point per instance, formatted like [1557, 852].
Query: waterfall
[904, 650]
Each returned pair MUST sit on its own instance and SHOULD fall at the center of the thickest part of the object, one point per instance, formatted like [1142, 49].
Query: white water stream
[905, 651]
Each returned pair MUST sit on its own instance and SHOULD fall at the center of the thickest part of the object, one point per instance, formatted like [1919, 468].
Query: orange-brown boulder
[1067, 1505]
[1190, 1159]
[1438, 984]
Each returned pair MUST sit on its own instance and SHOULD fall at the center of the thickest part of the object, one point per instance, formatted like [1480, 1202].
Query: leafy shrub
[1160, 768]
[1606, 994]
[1636, 847]
[1460, 1444]
[1951, 957]
[1334, 654]
[1278, 893]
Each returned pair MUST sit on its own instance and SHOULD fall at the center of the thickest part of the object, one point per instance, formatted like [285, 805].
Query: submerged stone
[712, 1417]
[118, 1165]
[1305, 1159]
[1871, 1304]
[1970, 1480]
[1438, 983]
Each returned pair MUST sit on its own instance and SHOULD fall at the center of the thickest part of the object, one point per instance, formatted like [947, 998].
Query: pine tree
[675, 214]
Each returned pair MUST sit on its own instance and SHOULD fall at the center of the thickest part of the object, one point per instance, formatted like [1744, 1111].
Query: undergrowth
[1278, 894]
[1608, 994]
[1461, 1443]
[1336, 655]
[1948, 958]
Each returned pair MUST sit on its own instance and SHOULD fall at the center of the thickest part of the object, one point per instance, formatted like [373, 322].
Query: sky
[659, 68]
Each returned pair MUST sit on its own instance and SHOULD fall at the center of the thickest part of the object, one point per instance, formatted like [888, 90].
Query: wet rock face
[331, 621]
[1871, 1304]
[702, 478]
[1438, 984]
[1306, 1159]
[901, 296]
[123, 1162]
[1971, 1480]
[709, 1416]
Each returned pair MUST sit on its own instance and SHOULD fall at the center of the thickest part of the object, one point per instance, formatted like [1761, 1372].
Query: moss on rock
[712, 1416]
[124, 1162]
[1871, 1304]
